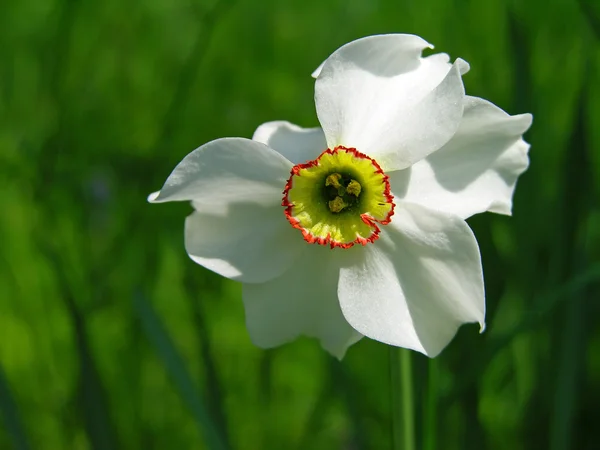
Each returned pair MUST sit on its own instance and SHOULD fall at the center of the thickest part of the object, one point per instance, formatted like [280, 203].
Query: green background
[111, 338]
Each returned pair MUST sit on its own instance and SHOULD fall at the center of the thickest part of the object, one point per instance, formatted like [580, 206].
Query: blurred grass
[175, 366]
[100, 100]
[10, 416]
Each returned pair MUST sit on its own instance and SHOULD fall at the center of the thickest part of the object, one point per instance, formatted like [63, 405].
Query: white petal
[295, 143]
[230, 170]
[378, 95]
[443, 57]
[476, 170]
[248, 243]
[417, 284]
[303, 301]
[239, 229]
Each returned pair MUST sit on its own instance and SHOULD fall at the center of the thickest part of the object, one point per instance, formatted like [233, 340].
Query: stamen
[333, 180]
[354, 188]
[337, 204]
[341, 192]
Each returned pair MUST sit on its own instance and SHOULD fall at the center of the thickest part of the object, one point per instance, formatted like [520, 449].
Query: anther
[354, 188]
[334, 180]
[337, 204]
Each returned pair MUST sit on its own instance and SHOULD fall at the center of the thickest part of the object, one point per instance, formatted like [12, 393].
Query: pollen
[342, 192]
[333, 180]
[337, 204]
[353, 188]
[339, 199]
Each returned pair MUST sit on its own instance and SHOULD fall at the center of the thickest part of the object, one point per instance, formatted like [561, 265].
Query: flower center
[338, 199]
[342, 192]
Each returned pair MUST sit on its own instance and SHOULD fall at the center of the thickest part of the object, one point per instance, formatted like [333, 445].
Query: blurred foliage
[111, 338]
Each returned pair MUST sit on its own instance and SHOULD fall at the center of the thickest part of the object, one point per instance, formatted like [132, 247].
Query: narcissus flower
[357, 228]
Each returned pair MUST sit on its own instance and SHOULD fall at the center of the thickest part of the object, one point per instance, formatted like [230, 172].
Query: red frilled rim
[371, 221]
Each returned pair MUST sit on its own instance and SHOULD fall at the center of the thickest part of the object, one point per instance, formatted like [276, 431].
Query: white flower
[402, 159]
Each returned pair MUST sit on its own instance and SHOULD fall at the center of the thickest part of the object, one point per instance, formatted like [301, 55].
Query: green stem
[403, 422]
[430, 413]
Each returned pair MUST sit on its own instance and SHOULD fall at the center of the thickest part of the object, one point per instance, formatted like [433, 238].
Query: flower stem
[430, 410]
[403, 422]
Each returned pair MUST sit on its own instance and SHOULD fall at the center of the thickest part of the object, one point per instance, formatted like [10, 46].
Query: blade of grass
[214, 388]
[576, 203]
[175, 367]
[341, 381]
[590, 11]
[542, 306]
[12, 422]
[189, 71]
[317, 417]
[91, 393]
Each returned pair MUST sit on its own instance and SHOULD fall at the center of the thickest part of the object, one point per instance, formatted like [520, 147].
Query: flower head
[358, 227]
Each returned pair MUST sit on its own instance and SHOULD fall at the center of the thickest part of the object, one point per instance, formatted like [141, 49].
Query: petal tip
[463, 66]
[317, 71]
[152, 198]
[339, 355]
[528, 118]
